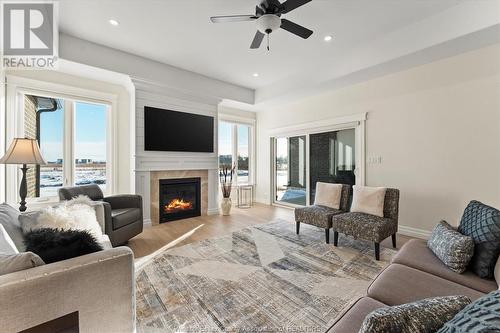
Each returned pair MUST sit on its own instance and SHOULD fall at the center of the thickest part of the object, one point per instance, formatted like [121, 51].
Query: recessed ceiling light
[255, 74]
[114, 22]
[328, 38]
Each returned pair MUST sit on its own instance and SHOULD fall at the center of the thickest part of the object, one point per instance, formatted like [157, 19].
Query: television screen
[167, 130]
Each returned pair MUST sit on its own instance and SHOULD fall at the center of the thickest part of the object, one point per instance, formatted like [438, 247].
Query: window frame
[356, 122]
[17, 88]
[234, 122]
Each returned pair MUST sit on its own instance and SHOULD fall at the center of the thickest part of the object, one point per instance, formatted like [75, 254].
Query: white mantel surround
[148, 94]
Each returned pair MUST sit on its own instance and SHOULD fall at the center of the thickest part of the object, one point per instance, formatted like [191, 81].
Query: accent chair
[370, 227]
[123, 213]
[321, 216]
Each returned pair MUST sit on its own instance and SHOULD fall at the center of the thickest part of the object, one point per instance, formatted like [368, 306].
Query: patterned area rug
[263, 278]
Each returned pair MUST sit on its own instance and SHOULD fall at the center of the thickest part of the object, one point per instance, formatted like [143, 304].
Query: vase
[226, 205]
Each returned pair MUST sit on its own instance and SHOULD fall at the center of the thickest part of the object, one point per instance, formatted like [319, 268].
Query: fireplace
[179, 198]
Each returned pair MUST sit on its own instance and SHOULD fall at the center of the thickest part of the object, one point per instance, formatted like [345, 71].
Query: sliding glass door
[332, 158]
[290, 170]
[299, 162]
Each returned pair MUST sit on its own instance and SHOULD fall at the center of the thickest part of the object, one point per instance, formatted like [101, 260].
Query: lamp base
[23, 190]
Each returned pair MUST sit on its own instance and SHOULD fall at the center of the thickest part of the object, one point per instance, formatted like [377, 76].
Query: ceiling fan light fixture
[268, 23]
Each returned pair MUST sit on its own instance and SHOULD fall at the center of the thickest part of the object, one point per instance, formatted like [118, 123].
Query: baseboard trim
[414, 232]
[146, 222]
[213, 211]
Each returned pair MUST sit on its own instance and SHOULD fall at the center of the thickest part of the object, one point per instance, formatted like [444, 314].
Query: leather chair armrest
[122, 201]
[108, 220]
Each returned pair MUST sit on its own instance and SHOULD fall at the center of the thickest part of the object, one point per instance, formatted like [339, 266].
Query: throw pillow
[55, 244]
[7, 246]
[368, 200]
[427, 315]
[328, 195]
[482, 223]
[451, 247]
[76, 214]
[10, 263]
[482, 315]
[9, 219]
[496, 272]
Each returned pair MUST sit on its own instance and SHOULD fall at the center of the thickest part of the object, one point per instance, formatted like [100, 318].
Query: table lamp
[23, 151]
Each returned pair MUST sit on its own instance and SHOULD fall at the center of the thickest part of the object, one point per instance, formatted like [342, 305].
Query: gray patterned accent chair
[321, 216]
[370, 227]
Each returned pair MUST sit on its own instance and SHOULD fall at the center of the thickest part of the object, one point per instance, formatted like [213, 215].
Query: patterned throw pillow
[427, 315]
[451, 247]
[483, 315]
[482, 223]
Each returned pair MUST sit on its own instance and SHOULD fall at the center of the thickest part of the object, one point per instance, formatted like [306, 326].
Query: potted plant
[226, 182]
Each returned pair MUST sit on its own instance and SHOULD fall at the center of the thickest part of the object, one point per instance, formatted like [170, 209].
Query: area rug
[264, 278]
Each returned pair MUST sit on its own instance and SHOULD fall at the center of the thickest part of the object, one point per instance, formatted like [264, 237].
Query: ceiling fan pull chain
[268, 42]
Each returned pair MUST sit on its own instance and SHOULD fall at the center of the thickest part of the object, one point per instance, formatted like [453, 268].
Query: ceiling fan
[268, 17]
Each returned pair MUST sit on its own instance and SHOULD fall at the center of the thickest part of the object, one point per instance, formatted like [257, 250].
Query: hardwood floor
[181, 232]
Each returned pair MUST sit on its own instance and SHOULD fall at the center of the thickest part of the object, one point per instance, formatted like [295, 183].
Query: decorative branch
[226, 179]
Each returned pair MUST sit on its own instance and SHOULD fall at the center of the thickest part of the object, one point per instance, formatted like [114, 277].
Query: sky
[225, 139]
[90, 132]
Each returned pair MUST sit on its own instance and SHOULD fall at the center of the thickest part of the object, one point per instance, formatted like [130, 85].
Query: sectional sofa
[414, 273]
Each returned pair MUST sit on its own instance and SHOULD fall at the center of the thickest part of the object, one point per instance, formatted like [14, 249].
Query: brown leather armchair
[123, 213]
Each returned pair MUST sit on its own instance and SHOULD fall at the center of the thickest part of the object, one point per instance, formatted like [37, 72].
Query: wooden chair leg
[377, 251]
[327, 236]
[335, 238]
[394, 241]
[297, 227]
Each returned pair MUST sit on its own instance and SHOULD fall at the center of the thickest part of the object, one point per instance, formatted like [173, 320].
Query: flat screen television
[168, 130]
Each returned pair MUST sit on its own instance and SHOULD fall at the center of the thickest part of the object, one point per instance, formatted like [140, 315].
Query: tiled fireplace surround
[155, 177]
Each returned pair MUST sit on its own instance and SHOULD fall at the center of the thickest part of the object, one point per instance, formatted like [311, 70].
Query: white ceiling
[179, 33]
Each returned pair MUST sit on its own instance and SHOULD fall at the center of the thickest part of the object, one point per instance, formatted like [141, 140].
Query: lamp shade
[23, 151]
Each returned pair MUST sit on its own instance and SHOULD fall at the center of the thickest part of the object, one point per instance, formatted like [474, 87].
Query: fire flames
[176, 205]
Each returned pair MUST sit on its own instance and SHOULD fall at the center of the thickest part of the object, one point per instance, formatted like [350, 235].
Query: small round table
[245, 196]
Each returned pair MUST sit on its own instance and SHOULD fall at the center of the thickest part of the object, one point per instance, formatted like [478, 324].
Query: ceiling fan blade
[257, 40]
[290, 5]
[296, 29]
[232, 18]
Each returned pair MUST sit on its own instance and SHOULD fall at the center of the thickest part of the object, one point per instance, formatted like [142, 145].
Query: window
[290, 170]
[235, 149]
[73, 140]
[302, 161]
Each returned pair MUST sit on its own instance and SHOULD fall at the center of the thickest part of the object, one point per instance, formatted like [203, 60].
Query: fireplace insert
[179, 198]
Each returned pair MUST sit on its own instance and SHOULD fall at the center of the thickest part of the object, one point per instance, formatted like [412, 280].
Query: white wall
[436, 128]
[123, 181]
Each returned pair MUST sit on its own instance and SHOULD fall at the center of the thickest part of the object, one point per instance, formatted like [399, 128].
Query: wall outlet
[374, 160]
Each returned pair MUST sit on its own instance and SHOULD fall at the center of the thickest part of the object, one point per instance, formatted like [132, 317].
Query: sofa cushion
[365, 226]
[426, 315]
[352, 319]
[482, 223]
[9, 219]
[451, 247]
[399, 284]
[10, 263]
[368, 200]
[320, 216]
[497, 272]
[416, 254]
[123, 217]
[483, 315]
[7, 246]
[328, 195]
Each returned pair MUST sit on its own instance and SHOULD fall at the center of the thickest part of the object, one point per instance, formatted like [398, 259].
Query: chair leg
[335, 238]
[394, 241]
[327, 236]
[377, 251]
[297, 226]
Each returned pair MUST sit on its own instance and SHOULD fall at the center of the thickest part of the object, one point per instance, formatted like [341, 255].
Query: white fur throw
[76, 214]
